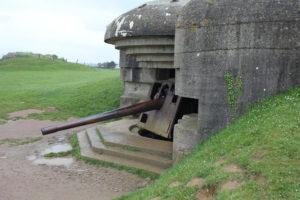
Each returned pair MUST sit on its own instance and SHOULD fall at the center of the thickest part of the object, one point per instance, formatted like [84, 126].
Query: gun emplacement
[145, 106]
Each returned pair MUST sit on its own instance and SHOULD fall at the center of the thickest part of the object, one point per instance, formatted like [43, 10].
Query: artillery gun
[121, 112]
[157, 115]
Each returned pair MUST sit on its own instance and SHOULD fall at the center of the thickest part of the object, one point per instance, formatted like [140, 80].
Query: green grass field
[74, 90]
[264, 143]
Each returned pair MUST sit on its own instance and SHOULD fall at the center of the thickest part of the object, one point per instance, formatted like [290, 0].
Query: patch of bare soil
[260, 179]
[232, 168]
[220, 162]
[23, 128]
[26, 175]
[174, 184]
[28, 128]
[196, 182]
[24, 113]
[230, 185]
[206, 193]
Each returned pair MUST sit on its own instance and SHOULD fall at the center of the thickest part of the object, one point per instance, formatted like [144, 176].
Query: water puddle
[31, 158]
[66, 162]
[59, 148]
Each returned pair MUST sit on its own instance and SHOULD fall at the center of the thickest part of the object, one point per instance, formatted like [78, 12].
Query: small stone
[174, 184]
[196, 182]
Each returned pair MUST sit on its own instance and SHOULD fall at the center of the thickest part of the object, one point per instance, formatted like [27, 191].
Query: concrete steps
[108, 144]
[142, 144]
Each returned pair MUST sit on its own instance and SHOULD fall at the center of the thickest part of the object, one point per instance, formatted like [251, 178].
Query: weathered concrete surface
[115, 143]
[135, 92]
[232, 53]
[144, 63]
[186, 136]
[154, 18]
[125, 133]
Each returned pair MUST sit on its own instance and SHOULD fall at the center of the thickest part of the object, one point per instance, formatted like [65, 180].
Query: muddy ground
[26, 175]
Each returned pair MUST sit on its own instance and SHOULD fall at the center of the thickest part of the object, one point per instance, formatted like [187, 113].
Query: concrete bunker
[228, 54]
[198, 65]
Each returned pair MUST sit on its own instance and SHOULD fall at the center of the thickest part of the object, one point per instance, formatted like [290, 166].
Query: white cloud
[72, 29]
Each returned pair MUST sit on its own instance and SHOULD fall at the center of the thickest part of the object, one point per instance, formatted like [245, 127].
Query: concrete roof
[154, 18]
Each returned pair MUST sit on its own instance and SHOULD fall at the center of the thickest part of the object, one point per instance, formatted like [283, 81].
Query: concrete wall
[233, 53]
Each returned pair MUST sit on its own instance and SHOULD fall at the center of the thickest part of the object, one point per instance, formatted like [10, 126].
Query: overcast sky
[73, 29]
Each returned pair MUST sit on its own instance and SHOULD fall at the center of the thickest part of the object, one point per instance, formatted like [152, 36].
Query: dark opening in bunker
[144, 118]
[165, 74]
[149, 134]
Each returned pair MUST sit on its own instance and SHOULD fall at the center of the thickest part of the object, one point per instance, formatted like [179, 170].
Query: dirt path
[24, 174]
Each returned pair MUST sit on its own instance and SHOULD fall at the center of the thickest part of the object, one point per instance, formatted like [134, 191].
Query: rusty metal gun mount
[161, 122]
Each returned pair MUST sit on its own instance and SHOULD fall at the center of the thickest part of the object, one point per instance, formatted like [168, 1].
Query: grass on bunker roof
[264, 144]
[74, 90]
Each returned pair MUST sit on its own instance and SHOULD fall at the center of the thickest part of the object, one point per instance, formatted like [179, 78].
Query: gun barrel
[145, 106]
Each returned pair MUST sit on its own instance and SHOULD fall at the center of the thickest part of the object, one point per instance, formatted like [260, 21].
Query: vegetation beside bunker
[58, 155]
[264, 144]
[234, 91]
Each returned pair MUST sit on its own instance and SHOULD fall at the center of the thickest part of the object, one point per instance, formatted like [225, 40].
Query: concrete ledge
[155, 58]
[140, 41]
[150, 50]
[158, 65]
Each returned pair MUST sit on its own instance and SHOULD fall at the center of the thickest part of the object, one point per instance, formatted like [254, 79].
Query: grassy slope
[73, 89]
[265, 143]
